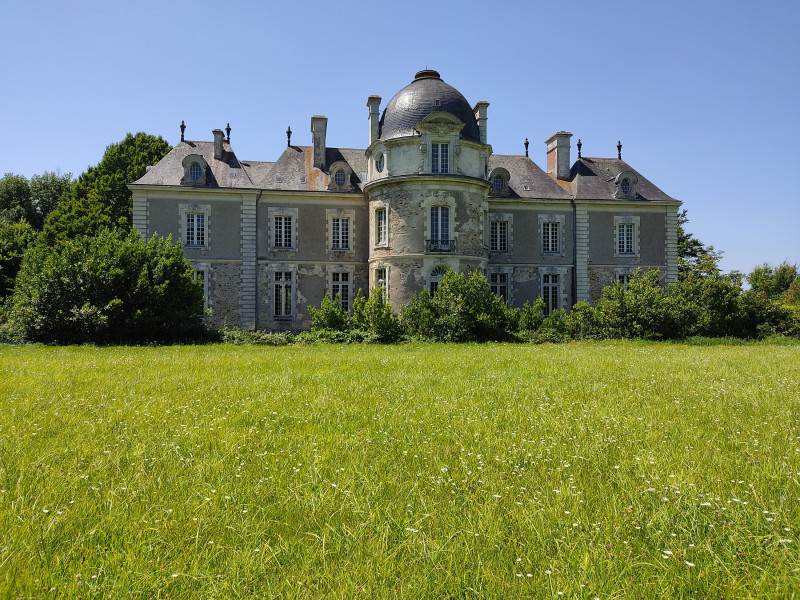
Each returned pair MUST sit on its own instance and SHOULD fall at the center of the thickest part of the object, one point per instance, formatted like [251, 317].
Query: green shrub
[329, 316]
[375, 315]
[109, 288]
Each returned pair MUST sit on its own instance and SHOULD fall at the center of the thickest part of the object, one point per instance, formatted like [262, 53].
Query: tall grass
[608, 470]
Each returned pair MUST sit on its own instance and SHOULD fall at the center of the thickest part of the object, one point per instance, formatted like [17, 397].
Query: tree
[773, 281]
[46, 191]
[693, 255]
[113, 287]
[75, 217]
[15, 198]
[121, 164]
[14, 241]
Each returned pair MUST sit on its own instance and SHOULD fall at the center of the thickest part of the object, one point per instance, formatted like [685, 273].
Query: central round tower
[426, 186]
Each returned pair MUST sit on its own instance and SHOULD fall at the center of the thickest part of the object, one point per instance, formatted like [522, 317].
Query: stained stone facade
[268, 239]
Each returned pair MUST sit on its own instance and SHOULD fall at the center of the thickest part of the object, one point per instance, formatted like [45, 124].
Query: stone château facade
[269, 239]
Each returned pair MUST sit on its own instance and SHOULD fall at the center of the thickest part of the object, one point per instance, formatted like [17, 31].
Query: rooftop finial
[228, 131]
[526, 147]
[579, 147]
[183, 128]
[619, 149]
[288, 136]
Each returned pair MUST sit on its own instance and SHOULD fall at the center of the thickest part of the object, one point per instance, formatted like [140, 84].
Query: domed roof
[423, 96]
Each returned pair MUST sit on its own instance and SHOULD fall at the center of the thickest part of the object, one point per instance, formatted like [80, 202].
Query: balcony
[440, 246]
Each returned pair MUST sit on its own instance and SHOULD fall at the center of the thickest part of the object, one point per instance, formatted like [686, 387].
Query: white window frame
[341, 278]
[630, 223]
[435, 277]
[440, 157]
[185, 212]
[547, 287]
[545, 223]
[340, 233]
[336, 243]
[378, 282]
[501, 278]
[499, 222]
[381, 220]
[272, 276]
[274, 213]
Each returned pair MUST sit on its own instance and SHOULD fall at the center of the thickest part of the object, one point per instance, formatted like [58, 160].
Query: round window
[498, 183]
[379, 163]
[625, 186]
[339, 177]
[195, 171]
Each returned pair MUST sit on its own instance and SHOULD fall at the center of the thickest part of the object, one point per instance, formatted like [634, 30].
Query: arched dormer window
[626, 185]
[499, 178]
[340, 173]
[195, 171]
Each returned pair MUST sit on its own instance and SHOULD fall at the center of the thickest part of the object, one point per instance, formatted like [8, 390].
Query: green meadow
[584, 470]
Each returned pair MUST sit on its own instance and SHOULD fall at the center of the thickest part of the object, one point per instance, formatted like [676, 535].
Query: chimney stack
[480, 115]
[219, 135]
[319, 127]
[374, 103]
[558, 164]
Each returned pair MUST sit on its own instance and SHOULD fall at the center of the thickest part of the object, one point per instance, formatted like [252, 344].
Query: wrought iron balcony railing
[440, 246]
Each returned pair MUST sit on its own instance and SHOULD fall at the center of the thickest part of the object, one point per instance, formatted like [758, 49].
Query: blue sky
[703, 95]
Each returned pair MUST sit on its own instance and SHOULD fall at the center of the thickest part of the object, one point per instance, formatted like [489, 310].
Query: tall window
[625, 238]
[550, 293]
[440, 224]
[550, 236]
[498, 283]
[498, 236]
[380, 280]
[440, 158]
[380, 226]
[195, 229]
[200, 277]
[283, 294]
[340, 233]
[283, 231]
[624, 279]
[435, 278]
[340, 284]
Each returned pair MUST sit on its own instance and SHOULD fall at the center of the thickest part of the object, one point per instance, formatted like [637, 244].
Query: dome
[425, 95]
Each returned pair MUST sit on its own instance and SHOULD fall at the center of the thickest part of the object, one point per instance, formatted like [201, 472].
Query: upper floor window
[195, 229]
[440, 223]
[498, 236]
[283, 231]
[550, 237]
[195, 171]
[340, 233]
[440, 158]
[380, 226]
[625, 238]
[380, 162]
[626, 235]
[340, 177]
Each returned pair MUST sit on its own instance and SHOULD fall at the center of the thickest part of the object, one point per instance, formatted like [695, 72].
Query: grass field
[586, 470]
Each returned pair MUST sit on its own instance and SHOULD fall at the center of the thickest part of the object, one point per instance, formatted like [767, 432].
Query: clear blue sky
[704, 94]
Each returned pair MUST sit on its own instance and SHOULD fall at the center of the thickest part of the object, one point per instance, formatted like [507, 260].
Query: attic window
[339, 177]
[379, 163]
[498, 183]
[195, 171]
[625, 186]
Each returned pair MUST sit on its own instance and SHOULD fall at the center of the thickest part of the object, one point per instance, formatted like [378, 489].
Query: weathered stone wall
[224, 287]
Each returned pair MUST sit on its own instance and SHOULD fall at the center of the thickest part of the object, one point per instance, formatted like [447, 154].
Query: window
[498, 183]
[380, 162]
[200, 277]
[498, 236]
[340, 177]
[440, 226]
[195, 229]
[380, 279]
[625, 186]
[624, 279]
[550, 293]
[283, 231]
[283, 294]
[435, 278]
[550, 237]
[440, 158]
[195, 171]
[498, 283]
[340, 233]
[340, 284]
[380, 226]
[625, 238]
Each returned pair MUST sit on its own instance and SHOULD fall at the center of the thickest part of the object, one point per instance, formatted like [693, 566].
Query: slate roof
[526, 179]
[593, 179]
[423, 96]
[225, 173]
[293, 171]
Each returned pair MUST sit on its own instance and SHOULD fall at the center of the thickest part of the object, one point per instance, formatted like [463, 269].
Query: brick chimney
[480, 115]
[374, 103]
[558, 164]
[319, 127]
[219, 135]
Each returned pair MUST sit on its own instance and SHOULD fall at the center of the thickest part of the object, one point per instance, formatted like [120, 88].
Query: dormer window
[195, 171]
[440, 158]
[340, 174]
[499, 179]
[626, 185]
[339, 177]
[498, 184]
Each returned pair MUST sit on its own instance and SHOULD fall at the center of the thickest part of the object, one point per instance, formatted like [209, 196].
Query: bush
[329, 316]
[14, 241]
[104, 289]
[375, 315]
[462, 309]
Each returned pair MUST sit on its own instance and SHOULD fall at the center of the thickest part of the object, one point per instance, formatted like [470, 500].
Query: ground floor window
[283, 294]
[498, 283]
[340, 284]
[550, 293]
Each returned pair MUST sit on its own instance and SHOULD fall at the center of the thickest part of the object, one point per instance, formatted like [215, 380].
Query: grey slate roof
[423, 96]
[593, 179]
[293, 170]
[225, 173]
[526, 179]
